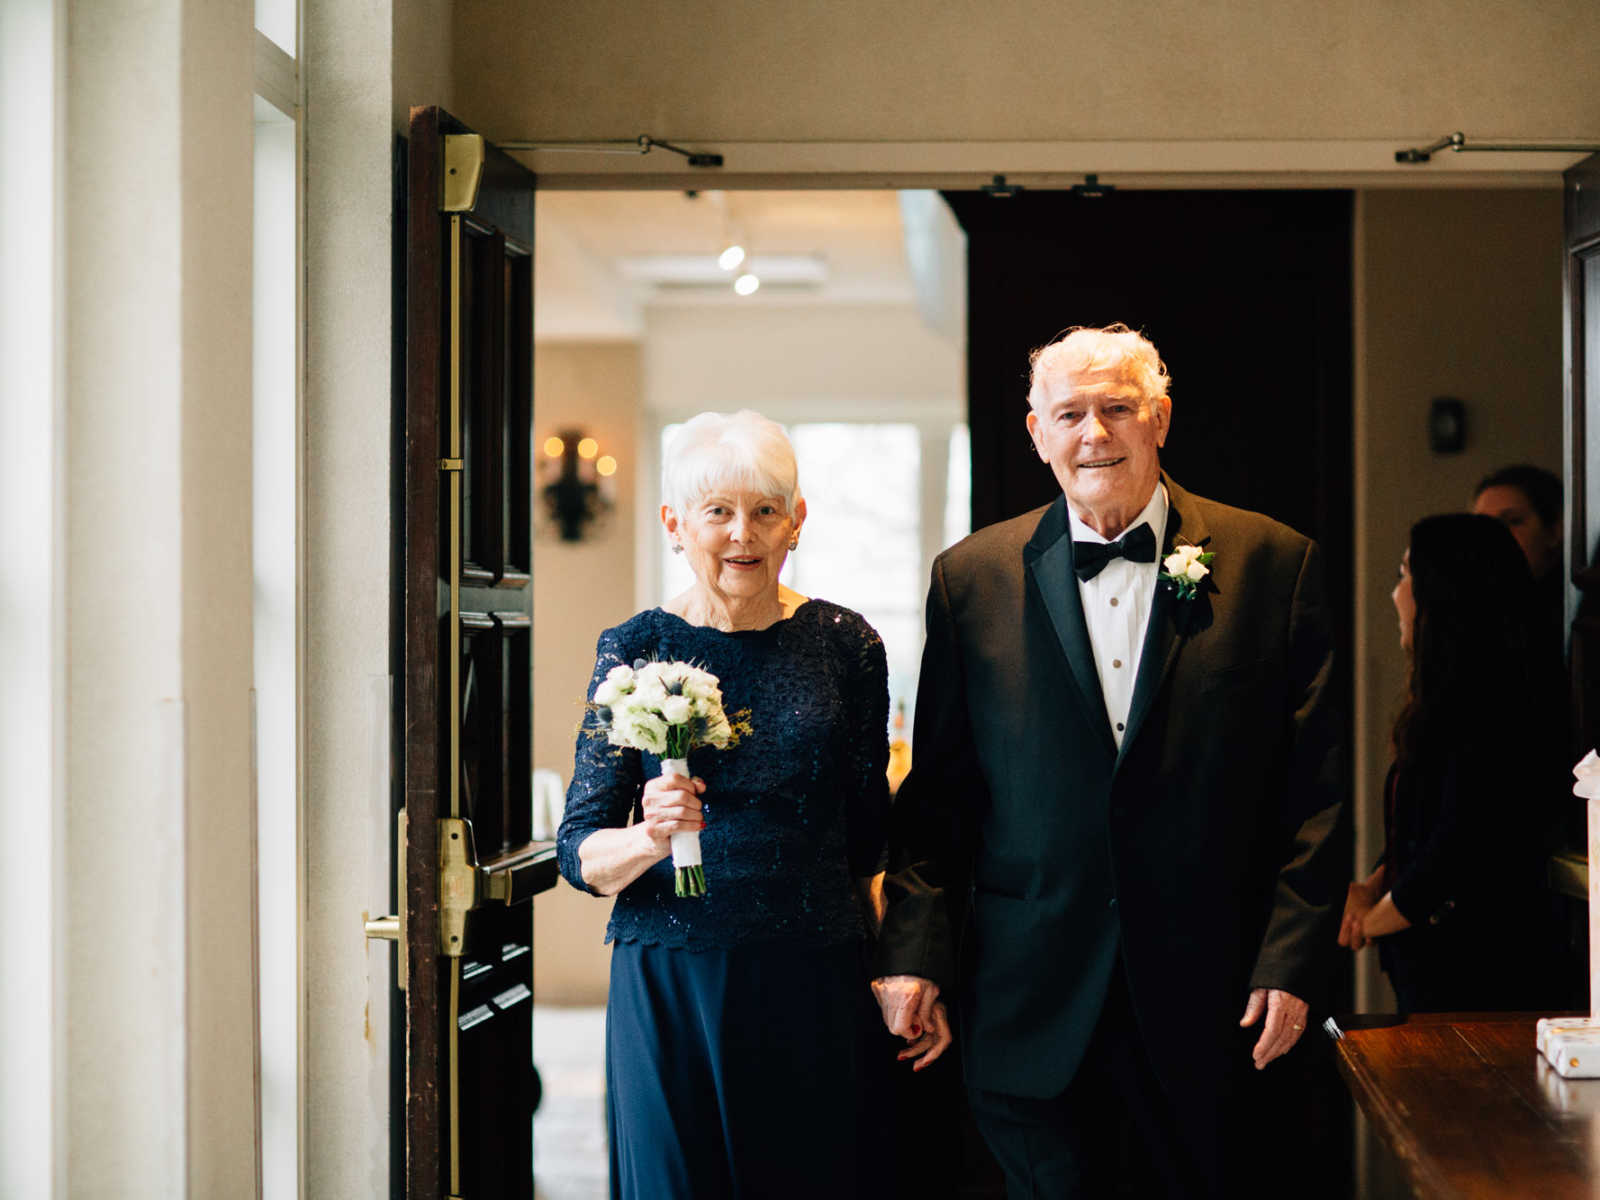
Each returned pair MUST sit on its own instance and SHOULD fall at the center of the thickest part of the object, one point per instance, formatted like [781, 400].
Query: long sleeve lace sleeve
[606, 780]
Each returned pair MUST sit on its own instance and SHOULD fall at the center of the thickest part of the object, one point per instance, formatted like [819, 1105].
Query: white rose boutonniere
[1185, 568]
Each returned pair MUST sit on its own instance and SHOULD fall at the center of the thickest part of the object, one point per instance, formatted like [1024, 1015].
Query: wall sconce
[1447, 425]
[575, 482]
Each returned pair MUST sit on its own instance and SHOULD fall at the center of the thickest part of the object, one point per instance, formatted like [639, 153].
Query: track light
[746, 284]
[731, 257]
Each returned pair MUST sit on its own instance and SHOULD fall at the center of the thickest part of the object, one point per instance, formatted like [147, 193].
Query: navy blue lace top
[794, 810]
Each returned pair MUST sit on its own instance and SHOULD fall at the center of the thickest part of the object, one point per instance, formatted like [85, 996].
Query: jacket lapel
[1048, 556]
[1162, 638]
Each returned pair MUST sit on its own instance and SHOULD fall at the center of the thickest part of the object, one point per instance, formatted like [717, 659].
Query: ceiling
[604, 257]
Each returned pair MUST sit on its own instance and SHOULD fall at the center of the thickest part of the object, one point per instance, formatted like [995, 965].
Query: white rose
[639, 730]
[621, 676]
[649, 689]
[676, 709]
[1178, 561]
[1196, 571]
[607, 693]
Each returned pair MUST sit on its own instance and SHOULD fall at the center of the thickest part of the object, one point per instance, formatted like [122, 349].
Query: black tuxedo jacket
[1028, 856]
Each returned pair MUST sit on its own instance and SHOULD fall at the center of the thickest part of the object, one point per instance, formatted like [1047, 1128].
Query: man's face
[1101, 439]
[1509, 505]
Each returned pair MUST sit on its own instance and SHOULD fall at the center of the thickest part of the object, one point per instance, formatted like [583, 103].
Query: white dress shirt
[1116, 609]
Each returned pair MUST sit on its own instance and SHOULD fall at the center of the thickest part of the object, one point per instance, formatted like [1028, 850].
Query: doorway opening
[853, 337]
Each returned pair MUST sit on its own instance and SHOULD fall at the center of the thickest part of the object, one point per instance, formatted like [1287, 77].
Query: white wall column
[347, 65]
[160, 1086]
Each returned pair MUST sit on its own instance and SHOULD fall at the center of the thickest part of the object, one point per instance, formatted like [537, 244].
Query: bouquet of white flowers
[667, 709]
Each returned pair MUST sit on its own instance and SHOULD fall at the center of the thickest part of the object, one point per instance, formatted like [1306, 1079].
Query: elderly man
[1115, 850]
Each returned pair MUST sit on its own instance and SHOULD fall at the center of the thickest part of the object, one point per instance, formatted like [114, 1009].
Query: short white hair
[1083, 349]
[729, 452]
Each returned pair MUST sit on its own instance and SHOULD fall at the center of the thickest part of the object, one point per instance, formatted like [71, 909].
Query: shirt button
[1113, 602]
[1116, 662]
[1119, 726]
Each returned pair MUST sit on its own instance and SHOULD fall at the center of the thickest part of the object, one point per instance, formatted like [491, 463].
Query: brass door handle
[385, 928]
[465, 883]
[393, 929]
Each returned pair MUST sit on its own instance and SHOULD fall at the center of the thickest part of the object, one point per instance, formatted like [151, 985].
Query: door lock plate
[458, 883]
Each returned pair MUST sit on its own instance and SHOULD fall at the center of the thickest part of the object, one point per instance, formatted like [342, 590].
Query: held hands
[912, 1010]
[1286, 1021]
[671, 805]
[1358, 901]
[1369, 912]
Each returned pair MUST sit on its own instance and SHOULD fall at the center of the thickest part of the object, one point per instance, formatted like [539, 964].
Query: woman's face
[736, 542]
[1405, 606]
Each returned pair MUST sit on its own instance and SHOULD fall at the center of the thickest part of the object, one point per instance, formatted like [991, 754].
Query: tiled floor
[569, 1130]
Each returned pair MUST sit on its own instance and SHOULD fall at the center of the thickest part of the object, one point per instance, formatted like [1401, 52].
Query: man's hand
[912, 1010]
[1286, 1021]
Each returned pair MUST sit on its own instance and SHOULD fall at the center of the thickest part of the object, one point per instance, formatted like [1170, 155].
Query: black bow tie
[1137, 545]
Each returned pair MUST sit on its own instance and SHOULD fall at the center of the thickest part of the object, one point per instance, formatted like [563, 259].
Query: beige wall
[902, 93]
[1458, 294]
[423, 38]
[578, 590]
[1028, 69]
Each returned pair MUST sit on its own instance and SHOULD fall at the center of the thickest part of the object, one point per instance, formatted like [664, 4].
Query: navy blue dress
[741, 1037]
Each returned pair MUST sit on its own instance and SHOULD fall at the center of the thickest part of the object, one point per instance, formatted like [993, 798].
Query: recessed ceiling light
[731, 257]
[746, 284]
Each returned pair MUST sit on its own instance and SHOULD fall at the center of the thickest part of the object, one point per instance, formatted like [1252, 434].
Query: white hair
[729, 452]
[1083, 349]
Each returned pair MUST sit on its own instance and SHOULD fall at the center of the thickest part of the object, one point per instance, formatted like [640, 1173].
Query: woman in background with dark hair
[1457, 901]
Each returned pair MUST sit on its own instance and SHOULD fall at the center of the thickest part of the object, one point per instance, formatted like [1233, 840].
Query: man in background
[1527, 500]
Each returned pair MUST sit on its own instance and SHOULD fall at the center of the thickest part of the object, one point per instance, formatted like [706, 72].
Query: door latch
[466, 884]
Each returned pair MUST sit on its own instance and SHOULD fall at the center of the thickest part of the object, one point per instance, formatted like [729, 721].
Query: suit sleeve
[929, 850]
[1297, 949]
[867, 752]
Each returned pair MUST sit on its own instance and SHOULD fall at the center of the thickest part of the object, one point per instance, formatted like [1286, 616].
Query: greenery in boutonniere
[1185, 568]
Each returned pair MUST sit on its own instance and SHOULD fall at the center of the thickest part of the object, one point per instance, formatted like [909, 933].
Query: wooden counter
[1468, 1107]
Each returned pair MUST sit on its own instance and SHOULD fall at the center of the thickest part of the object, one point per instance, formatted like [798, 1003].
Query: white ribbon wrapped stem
[685, 846]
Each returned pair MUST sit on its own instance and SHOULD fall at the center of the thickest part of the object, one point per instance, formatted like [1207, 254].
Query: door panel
[1582, 399]
[465, 721]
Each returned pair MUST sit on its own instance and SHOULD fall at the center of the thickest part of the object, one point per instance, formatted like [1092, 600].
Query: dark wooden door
[464, 729]
[1582, 404]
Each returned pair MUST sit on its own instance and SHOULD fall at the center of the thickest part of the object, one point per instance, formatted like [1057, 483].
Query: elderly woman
[739, 1023]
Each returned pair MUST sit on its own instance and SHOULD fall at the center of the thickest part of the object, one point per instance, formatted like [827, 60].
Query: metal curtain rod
[642, 144]
[1456, 142]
